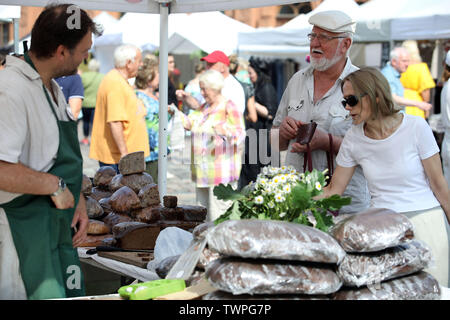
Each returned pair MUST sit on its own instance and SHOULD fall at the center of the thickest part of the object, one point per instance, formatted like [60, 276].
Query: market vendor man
[314, 94]
[41, 162]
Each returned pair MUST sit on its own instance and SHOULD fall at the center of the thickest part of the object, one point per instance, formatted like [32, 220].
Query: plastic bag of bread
[372, 230]
[201, 230]
[371, 268]
[270, 239]
[97, 227]
[419, 286]
[254, 276]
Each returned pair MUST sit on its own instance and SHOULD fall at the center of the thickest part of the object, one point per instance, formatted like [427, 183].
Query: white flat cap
[333, 21]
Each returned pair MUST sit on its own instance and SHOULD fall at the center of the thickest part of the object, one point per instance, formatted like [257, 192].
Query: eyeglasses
[322, 37]
[351, 100]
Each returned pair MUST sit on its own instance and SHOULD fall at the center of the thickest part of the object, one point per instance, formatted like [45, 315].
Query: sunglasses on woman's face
[350, 100]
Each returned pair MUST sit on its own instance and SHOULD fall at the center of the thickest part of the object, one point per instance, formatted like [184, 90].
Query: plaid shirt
[217, 136]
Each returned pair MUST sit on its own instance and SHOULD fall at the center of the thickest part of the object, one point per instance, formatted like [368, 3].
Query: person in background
[171, 89]
[119, 122]
[414, 186]
[416, 80]
[193, 86]
[265, 102]
[217, 136]
[73, 90]
[232, 90]
[313, 94]
[91, 81]
[399, 61]
[147, 82]
[2, 61]
[41, 164]
[445, 118]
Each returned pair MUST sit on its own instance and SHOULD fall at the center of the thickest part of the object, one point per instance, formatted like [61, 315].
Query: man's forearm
[75, 106]
[17, 178]
[119, 137]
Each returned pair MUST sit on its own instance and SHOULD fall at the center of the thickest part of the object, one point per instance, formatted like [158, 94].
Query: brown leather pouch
[305, 132]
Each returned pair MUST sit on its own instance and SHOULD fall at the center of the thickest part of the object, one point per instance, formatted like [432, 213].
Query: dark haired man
[41, 163]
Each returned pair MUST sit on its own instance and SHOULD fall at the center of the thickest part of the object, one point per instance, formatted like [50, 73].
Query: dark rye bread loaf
[358, 269]
[270, 239]
[95, 240]
[134, 181]
[136, 235]
[103, 177]
[419, 286]
[97, 193]
[149, 195]
[372, 230]
[146, 215]
[93, 208]
[114, 218]
[124, 200]
[253, 276]
[86, 185]
[193, 213]
[132, 163]
[170, 201]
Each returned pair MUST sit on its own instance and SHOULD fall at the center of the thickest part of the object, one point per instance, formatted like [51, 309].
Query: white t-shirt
[392, 166]
[233, 91]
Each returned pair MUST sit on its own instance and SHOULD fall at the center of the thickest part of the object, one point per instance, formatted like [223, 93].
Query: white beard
[323, 63]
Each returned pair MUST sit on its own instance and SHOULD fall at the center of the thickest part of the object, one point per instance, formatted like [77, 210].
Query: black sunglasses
[351, 100]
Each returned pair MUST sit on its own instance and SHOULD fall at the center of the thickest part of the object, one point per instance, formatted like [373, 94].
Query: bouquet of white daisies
[283, 194]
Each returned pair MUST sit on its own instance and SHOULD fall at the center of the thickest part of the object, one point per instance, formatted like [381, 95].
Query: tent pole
[163, 99]
[16, 35]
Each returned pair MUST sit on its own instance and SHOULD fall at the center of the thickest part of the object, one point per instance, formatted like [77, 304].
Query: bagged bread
[121, 228]
[97, 193]
[270, 239]
[222, 295]
[206, 257]
[419, 286]
[253, 276]
[86, 185]
[95, 240]
[114, 218]
[371, 268]
[202, 229]
[372, 230]
[164, 266]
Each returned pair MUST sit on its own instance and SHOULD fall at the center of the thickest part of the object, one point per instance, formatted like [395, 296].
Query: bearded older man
[314, 94]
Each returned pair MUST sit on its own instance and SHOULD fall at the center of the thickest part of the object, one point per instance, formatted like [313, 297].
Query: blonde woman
[400, 159]
[217, 135]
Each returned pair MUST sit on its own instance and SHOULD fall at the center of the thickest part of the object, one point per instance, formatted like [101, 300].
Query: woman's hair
[145, 74]
[123, 54]
[199, 68]
[371, 82]
[413, 50]
[212, 79]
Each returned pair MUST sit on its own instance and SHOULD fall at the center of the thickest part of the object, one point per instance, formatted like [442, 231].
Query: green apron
[42, 234]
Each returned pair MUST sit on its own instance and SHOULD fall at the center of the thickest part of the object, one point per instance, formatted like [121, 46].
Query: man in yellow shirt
[119, 121]
[417, 80]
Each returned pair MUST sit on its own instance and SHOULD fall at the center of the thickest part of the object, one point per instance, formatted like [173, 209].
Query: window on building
[4, 36]
[290, 11]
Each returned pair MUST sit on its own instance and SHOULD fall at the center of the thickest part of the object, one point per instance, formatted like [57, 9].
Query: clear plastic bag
[420, 286]
[268, 239]
[253, 276]
[372, 230]
[361, 269]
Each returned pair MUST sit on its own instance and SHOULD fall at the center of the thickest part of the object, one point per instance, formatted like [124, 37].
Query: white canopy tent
[163, 7]
[290, 39]
[207, 31]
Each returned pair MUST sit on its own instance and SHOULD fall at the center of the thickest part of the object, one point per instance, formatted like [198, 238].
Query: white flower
[318, 186]
[265, 170]
[287, 188]
[276, 180]
[279, 197]
[259, 200]
[263, 182]
[271, 204]
[282, 214]
[283, 179]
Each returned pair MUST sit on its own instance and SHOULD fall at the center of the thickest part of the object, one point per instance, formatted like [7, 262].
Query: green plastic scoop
[151, 289]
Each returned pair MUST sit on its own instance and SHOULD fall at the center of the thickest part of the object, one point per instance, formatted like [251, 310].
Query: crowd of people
[371, 126]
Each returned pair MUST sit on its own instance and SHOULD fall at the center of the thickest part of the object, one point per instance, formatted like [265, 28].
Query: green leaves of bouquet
[282, 194]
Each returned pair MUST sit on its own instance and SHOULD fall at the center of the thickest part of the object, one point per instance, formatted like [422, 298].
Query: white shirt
[28, 128]
[233, 91]
[297, 102]
[392, 166]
